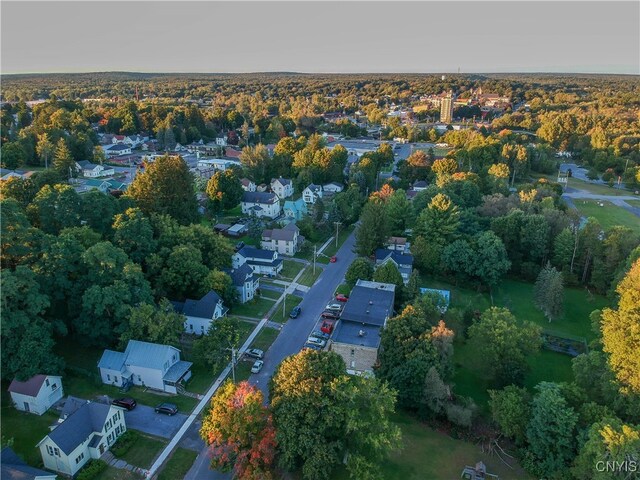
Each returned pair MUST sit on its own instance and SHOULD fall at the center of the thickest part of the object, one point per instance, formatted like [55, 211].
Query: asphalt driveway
[146, 420]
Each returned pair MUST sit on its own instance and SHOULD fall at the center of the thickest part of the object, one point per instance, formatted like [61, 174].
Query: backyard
[427, 453]
[143, 450]
[256, 308]
[290, 269]
[470, 376]
[608, 214]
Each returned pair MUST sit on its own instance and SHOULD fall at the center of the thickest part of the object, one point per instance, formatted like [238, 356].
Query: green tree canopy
[148, 323]
[166, 187]
[224, 190]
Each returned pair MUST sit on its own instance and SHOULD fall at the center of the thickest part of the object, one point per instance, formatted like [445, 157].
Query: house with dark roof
[37, 394]
[146, 364]
[283, 187]
[87, 433]
[91, 170]
[285, 241]
[12, 467]
[260, 204]
[263, 262]
[311, 194]
[357, 335]
[117, 150]
[245, 282]
[402, 261]
[200, 314]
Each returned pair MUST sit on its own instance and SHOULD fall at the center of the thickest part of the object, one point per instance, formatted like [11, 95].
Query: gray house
[403, 261]
[245, 281]
[14, 468]
[357, 336]
[146, 364]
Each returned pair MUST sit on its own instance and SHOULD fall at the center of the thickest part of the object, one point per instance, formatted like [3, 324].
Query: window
[79, 458]
[353, 352]
[50, 450]
[139, 378]
[56, 451]
[46, 382]
[108, 377]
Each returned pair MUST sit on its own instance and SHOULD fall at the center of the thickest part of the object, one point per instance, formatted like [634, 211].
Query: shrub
[125, 442]
[459, 415]
[92, 469]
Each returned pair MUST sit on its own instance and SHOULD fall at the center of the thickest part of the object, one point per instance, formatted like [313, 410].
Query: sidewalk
[115, 462]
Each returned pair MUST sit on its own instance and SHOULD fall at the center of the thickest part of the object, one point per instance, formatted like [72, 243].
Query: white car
[334, 306]
[254, 353]
[257, 366]
[317, 341]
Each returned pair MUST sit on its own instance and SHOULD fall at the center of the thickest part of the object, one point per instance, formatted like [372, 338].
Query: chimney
[361, 333]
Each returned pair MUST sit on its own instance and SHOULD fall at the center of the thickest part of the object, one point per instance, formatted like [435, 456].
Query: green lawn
[596, 188]
[112, 473]
[608, 215]
[633, 203]
[470, 376]
[243, 370]
[26, 429]
[290, 269]
[282, 313]
[438, 151]
[256, 308]
[308, 278]
[265, 338]
[144, 451]
[272, 294]
[343, 289]
[178, 465]
[429, 454]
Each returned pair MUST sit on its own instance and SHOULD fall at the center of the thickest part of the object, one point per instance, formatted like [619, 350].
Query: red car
[333, 315]
[341, 298]
[333, 259]
[327, 326]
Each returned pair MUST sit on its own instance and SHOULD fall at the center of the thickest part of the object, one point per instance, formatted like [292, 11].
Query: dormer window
[46, 382]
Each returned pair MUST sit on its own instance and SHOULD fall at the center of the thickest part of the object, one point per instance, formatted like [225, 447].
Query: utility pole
[314, 259]
[337, 224]
[233, 363]
[284, 302]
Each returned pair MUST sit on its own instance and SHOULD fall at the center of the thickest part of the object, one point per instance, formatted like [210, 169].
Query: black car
[239, 246]
[295, 312]
[127, 402]
[167, 409]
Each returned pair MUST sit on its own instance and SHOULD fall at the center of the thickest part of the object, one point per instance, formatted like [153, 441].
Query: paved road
[292, 336]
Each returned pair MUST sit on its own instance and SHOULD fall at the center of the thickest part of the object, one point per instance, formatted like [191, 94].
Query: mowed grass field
[609, 215]
[429, 454]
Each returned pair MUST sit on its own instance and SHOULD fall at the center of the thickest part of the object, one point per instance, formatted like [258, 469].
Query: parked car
[333, 259]
[341, 298]
[295, 312]
[255, 353]
[334, 306]
[327, 326]
[127, 402]
[239, 245]
[167, 409]
[319, 334]
[311, 346]
[317, 341]
[257, 366]
[330, 314]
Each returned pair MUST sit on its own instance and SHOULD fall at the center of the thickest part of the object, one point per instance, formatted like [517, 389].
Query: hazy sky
[321, 36]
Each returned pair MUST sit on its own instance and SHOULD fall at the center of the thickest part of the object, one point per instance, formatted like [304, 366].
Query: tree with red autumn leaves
[239, 431]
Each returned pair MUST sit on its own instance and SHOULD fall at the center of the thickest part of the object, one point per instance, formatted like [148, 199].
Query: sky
[320, 37]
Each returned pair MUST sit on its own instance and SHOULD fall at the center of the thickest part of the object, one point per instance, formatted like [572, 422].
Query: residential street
[292, 336]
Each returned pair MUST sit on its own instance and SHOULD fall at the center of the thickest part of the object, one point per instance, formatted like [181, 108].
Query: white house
[221, 141]
[264, 262]
[332, 187]
[312, 193]
[285, 241]
[245, 281]
[419, 185]
[37, 394]
[200, 314]
[12, 467]
[146, 364]
[87, 433]
[260, 204]
[248, 185]
[217, 163]
[117, 150]
[91, 170]
[283, 187]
